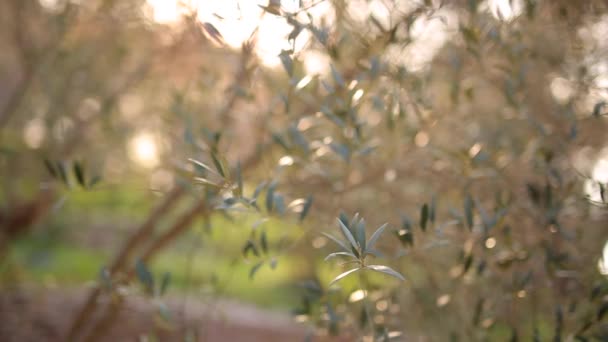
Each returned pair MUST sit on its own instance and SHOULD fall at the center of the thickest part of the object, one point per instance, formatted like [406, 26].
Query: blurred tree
[474, 128]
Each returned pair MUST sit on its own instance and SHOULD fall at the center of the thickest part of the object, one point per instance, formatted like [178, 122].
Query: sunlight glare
[505, 9]
[602, 263]
[236, 20]
[143, 150]
[52, 5]
[357, 295]
[34, 133]
[166, 11]
[429, 34]
[598, 174]
[561, 89]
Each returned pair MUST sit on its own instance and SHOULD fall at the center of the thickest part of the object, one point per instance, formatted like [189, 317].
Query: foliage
[491, 142]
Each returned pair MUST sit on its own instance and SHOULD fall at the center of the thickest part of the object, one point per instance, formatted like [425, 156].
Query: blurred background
[168, 168]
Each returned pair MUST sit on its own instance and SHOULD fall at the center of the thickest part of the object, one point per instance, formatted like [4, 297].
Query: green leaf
[376, 235]
[218, 164]
[602, 311]
[514, 336]
[164, 283]
[306, 207]
[270, 196]
[297, 29]
[597, 109]
[213, 33]
[342, 150]
[258, 189]
[468, 211]
[424, 216]
[332, 117]
[405, 236]
[206, 182]
[279, 204]
[164, 312]
[279, 140]
[239, 179]
[352, 226]
[337, 76]
[343, 218]
[347, 234]
[488, 222]
[559, 324]
[264, 242]
[50, 168]
[468, 261]
[94, 181]
[406, 222]
[79, 173]
[144, 275]
[336, 254]
[469, 34]
[62, 173]
[338, 242]
[321, 34]
[377, 23]
[536, 335]
[386, 270]
[360, 234]
[255, 269]
[203, 165]
[433, 209]
[287, 62]
[343, 275]
[250, 246]
[298, 138]
[105, 278]
[478, 311]
[274, 7]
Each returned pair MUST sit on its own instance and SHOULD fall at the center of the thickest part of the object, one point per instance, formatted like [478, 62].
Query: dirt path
[43, 315]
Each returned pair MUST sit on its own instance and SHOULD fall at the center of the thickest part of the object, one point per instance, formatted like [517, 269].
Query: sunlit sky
[236, 20]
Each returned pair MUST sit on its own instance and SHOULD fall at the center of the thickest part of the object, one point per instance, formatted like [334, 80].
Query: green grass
[199, 262]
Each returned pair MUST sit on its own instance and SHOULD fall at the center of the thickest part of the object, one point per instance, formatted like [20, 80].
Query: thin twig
[169, 236]
[138, 236]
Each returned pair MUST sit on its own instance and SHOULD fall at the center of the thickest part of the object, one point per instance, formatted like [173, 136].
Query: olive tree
[434, 175]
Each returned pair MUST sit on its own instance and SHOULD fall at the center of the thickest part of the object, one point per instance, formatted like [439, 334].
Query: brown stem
[106, 320]
[169, 236]
[31, 60]
[176, 230]
[146, 229]
[18, 220]
[24, 54]
[138, 236]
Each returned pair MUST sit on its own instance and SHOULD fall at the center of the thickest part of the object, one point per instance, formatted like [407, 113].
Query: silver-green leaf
[468, 211]
[386, 270]
[376, 236]
[360, 233]
[424, 216]
[337, 254]
[347, 234]
[338, 242]
[306, 208]
[343, 275]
